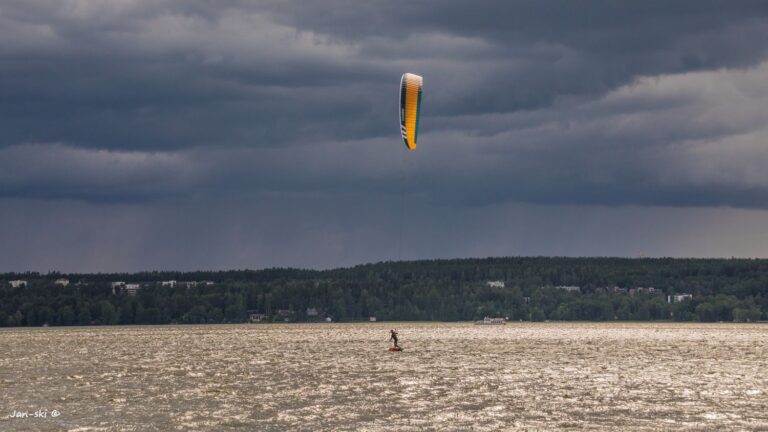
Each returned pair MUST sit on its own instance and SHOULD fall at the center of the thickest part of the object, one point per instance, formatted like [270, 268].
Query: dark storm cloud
[527, 53]
[603, 102]
[77, 236]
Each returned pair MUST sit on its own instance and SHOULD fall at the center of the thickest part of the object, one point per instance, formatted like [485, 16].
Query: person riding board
[393, 337]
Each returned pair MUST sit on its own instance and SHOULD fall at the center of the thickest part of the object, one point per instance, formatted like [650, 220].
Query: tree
[707, 312]
[196, 315]
[108, 314]
[125, 313]
[84, 315]
[234, 309]
[149, 315]
[537, 314]
[15, 319]
[45, 315]
[215, 315]
[66, 316]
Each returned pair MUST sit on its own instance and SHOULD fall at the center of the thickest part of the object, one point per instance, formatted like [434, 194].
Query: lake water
[524, 376]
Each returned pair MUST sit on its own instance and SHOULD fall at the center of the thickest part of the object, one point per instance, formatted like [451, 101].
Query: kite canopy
[410, 108]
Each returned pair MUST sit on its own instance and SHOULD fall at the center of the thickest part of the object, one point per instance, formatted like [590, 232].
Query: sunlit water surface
[609, 376]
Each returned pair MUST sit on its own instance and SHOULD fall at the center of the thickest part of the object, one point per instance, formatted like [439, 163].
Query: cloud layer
[149, 104]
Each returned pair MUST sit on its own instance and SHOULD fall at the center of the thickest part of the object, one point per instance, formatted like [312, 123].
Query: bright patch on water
[522, 376]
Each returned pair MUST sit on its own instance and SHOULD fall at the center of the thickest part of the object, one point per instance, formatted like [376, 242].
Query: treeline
[444, 290]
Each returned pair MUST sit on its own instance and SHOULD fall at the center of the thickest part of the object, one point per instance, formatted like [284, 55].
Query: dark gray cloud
[214, 234]
[161, 75]
[134, 105]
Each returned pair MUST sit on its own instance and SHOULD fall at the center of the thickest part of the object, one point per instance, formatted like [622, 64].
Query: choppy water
[341, 377]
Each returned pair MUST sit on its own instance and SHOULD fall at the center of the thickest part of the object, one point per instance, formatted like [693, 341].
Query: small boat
[492, 321]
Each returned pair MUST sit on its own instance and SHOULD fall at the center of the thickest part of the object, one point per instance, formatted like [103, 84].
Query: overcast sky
[196, 134]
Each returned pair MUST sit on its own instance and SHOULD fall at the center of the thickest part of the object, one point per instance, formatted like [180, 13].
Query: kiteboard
[395, 349]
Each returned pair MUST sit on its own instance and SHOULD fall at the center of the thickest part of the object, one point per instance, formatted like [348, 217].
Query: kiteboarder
[393, 337]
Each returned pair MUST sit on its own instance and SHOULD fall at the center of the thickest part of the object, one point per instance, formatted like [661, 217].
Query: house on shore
[285, 314]
[677, 298]
[132, 289]
[256, 316]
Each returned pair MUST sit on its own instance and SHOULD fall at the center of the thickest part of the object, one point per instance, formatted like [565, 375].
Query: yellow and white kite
[410, 108]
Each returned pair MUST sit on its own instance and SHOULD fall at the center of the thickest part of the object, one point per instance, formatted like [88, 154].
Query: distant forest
[534, 289]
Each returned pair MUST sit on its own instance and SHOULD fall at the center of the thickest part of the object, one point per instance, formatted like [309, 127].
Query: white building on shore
[677, 298]
[132, 289]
